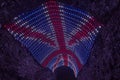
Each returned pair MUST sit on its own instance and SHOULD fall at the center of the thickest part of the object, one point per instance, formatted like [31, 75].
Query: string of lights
[56, 30]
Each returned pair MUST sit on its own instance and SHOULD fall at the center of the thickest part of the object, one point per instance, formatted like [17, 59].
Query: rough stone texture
[104, 62]
[11, 8]
[16, 63]
[44, 74]
[101, 9]
[15, 60]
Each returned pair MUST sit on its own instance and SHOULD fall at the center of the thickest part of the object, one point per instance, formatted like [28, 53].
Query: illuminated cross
[56, 34]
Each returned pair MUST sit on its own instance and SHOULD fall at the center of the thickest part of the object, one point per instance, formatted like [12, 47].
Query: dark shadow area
[64, 73]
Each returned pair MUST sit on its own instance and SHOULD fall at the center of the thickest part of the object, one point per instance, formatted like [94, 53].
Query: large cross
[54, 33]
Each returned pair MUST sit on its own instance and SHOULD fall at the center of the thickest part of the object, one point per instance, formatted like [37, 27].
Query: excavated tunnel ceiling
[56, 34]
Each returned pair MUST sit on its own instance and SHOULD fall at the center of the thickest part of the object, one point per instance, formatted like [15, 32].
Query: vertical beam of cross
[57, 24]
[58, 28]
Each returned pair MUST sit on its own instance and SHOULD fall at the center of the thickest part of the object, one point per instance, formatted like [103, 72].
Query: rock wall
[104, 61]
[16, 63]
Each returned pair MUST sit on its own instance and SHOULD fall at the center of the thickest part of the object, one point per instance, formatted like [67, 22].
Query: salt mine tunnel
[57, 35]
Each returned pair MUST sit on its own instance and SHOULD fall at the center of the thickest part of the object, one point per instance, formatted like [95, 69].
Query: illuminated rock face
[56, 34]
[103, 63]
[17, 63]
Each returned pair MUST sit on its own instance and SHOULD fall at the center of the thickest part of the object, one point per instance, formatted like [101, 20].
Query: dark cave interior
[64, 73]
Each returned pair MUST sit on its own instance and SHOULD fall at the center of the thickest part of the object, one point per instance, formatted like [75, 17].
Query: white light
[27, 26]
[99, 26]
[18, 21]
[96, 30]
[15, 18]
[15, 34]
[11, 32]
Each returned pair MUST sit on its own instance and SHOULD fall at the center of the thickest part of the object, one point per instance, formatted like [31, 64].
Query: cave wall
[16, 63]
